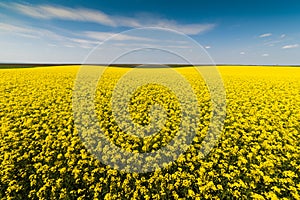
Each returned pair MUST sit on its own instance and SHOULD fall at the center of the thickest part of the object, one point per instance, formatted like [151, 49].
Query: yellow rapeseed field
[257, 155]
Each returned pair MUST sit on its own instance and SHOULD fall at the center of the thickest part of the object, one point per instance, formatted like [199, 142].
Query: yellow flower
[191, 193]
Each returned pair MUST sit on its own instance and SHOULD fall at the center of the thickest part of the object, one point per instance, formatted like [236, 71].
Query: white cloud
[265, 35]
[101, 36]
[190, 29]
[265, 55]
[273, 42]
[13, 28]
[87, 39]
[291, 46]
[27, 31]
[46, 35]
[56, 12]
[207, 47]
[96, 16]
[147, 45]
[242, 53]
[282, 39]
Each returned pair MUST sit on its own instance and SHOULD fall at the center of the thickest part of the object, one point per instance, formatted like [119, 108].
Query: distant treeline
[26, 65]
[13, 66]
[21, 65]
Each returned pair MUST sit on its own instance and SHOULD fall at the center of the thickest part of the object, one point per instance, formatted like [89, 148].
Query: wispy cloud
[145, 45]
[56, 12]
[282, 39]
[265, 35]
[291, 46]
[26, 31]
[190, 29]
[46, 35]
[265, 55]
[273, 42]
[283, 36]
[101, 36]
[84, 39]
[96, 16]
[242, 53]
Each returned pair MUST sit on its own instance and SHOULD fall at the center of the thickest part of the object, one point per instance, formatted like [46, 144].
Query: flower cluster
[257, 156]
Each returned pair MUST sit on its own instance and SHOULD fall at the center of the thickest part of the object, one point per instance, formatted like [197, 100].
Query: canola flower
[257, 156]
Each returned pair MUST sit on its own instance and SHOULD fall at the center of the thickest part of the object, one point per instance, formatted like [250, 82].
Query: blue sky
[232, 32]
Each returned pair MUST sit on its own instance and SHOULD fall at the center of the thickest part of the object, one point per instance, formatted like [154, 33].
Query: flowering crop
[257, 155]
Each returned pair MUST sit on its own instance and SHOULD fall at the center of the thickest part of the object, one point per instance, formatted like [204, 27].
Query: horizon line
[137, 64]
